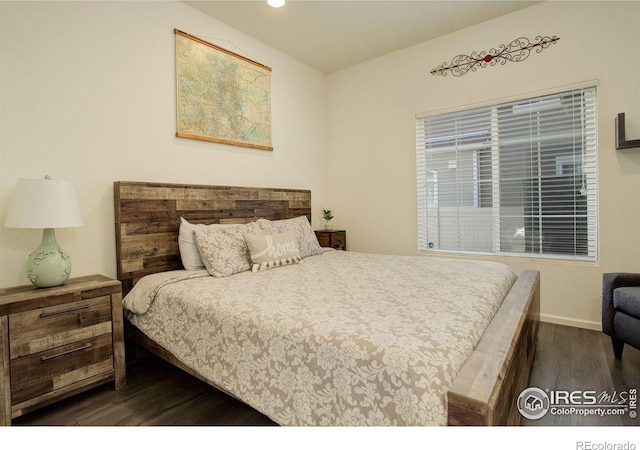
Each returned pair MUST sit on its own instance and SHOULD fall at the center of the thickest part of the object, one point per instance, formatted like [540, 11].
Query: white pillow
[272, 250]
[189, 254]
[306, 237]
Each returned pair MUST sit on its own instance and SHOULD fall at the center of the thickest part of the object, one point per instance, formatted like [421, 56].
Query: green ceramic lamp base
[48, 265]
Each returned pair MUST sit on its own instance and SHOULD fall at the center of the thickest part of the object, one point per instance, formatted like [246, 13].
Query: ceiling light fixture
[276, 3]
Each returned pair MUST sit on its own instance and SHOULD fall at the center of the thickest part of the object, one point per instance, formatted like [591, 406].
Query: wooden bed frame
[147, 220]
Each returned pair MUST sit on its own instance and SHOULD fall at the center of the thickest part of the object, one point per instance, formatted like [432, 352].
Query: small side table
[332, 238]
[58, 341]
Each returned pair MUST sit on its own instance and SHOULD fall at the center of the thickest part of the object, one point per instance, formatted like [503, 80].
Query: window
[514, 178]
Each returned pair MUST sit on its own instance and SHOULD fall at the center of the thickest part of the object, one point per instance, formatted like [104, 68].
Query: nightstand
[57, 342]
[332, 238]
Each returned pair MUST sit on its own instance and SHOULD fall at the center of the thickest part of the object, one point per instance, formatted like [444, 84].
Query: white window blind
[513, 178]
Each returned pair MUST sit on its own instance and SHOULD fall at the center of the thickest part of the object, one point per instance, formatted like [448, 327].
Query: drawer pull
[56, 313]
[84, 347]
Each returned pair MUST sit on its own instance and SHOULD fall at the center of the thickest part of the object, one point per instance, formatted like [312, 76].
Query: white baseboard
[578, 323]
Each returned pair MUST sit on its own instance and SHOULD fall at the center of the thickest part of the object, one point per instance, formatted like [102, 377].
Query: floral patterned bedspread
[343, 338]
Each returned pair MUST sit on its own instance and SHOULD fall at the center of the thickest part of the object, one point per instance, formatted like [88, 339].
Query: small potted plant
[327, 215]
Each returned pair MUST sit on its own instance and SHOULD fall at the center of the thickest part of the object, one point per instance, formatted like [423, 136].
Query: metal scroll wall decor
[518, 50]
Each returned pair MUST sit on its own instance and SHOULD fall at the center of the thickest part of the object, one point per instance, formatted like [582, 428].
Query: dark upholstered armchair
[621, 309]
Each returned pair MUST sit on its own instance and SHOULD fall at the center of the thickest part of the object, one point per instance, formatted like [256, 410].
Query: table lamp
[47, 204]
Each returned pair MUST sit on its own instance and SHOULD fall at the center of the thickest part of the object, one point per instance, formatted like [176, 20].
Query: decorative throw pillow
[272, 250]
[189, 254]
[305, 236]
[223, 250]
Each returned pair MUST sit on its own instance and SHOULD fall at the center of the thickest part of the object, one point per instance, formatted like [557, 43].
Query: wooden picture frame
[221, 96]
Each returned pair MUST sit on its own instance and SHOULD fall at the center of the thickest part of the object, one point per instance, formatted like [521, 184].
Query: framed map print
[221, 96]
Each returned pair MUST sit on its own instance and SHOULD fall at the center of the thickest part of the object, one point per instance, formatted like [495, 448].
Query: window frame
[589, 134]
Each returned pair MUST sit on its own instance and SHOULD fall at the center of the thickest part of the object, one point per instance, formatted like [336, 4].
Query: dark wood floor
[572, 359]
[159, 394]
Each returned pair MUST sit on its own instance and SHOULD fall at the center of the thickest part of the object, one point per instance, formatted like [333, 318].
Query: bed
[353, 357]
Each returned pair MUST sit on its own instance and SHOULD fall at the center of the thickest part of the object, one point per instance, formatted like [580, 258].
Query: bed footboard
[486, 389]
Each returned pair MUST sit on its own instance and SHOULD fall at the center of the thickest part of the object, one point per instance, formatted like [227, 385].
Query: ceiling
[331, 35]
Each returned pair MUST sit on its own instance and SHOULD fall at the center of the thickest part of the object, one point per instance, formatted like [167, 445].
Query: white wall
[371, 110]
[87, 93]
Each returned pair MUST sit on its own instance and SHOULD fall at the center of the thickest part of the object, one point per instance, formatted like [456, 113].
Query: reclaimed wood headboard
[147, 218]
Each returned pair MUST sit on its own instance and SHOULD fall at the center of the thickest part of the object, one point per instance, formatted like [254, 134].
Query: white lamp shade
[44, 203]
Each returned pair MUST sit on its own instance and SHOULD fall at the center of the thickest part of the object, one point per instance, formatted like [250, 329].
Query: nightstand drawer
[323, 239]
[44, 372]
[339, 240]
[332, 238]
[44, 328]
